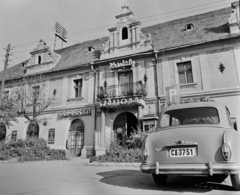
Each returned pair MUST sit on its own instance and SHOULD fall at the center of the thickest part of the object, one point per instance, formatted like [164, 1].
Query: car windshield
[189, 116]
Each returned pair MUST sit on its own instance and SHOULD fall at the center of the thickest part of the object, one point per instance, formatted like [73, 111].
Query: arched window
[33, 129]
[3, 131]
[39, 59]
[124, 33]
[76, 132]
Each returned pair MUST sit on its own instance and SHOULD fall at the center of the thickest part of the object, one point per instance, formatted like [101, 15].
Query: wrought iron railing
[123, 90]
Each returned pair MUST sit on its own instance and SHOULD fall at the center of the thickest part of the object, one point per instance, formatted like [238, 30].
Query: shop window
[77, 88]
[149, 128]
[185, 73]
[124, 33]
[33, 129]
[14, 136]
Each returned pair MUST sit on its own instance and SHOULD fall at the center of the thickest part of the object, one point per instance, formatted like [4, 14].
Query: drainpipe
[94, 101]
[158, 91]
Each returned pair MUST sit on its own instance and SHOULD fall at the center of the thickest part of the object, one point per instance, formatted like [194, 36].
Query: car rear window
[190, 116]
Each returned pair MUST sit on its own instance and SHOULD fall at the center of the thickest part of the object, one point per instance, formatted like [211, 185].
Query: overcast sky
[24, 22]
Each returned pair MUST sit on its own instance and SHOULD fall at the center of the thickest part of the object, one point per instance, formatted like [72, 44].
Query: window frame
[125, 33]
[36, 97]
[183, 60]
[71, 85]
[77, 88]
[185, 70]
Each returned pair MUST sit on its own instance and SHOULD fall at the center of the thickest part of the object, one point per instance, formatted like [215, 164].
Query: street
[71, 177]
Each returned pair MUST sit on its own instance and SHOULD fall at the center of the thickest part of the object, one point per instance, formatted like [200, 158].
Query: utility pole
[4, 71]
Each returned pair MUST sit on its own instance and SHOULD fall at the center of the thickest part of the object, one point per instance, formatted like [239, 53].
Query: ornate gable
[42, 59]
[126, 37]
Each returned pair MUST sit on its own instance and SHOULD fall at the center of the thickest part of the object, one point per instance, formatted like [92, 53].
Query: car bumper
[191, 169]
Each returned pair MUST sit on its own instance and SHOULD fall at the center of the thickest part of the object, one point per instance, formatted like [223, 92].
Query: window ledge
[188, 85]
[75, 99]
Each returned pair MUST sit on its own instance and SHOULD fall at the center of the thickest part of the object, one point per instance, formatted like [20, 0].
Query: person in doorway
[68, 152]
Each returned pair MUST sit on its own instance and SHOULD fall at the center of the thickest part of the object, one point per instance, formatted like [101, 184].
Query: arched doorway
[76, 132]
[33, 129]
[123, 126]
[3, 131]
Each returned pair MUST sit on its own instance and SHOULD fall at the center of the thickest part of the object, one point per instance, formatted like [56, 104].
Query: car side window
[168, 120]
[234, 123]
[229, 118]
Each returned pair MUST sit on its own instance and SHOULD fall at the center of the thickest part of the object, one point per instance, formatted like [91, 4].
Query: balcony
[120, 91]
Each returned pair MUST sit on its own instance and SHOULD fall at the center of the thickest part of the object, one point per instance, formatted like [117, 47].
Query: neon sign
[78, 112]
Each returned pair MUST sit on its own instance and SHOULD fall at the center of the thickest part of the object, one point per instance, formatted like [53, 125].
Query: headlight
[226, 152]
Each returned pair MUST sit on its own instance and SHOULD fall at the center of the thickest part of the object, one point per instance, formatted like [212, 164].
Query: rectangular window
[36, 92]
[185, 72]
[14, 136]
[51, 136]
[125, 81]
[77, 88]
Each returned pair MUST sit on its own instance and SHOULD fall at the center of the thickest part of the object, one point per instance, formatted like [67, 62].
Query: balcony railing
[124, 90]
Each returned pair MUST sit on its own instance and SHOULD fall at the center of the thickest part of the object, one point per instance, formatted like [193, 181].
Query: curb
[135, 165]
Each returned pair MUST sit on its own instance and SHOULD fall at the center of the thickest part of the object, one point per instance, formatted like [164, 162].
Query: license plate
[182, 152]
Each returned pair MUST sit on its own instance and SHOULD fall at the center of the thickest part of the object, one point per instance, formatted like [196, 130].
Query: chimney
[234, 21]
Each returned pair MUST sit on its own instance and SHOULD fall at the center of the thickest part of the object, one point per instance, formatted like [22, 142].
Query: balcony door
[125, 80]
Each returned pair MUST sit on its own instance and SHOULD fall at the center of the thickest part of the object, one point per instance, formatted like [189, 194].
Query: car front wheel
[160, 179]
[235, 178]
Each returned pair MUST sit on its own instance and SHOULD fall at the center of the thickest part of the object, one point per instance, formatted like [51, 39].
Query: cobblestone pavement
[77, 177]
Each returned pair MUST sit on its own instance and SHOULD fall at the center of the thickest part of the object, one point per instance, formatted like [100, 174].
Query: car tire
[160, 179]
[235, 178]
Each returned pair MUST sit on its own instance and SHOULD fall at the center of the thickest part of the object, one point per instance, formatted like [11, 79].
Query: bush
[129, 152]
[31, 149]
[117, 153]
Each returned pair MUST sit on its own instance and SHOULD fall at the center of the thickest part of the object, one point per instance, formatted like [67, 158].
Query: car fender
[232, 139]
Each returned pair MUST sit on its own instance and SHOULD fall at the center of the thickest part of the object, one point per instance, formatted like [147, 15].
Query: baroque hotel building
[112, 85]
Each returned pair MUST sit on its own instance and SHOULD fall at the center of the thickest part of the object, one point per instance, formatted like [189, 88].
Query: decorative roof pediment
[126, 37]
[41, 47]
[42, 59]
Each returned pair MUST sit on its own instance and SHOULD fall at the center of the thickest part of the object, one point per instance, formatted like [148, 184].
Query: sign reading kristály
[78, 112]
[122, 64]
[120, 102]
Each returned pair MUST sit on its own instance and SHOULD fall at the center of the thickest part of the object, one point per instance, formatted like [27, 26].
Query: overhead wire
[94, 30]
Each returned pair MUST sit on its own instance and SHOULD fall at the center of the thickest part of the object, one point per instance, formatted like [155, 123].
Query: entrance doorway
[123, 126]
[76, 133]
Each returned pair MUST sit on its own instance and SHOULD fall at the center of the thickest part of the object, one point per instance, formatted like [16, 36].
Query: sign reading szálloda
[119, 102]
